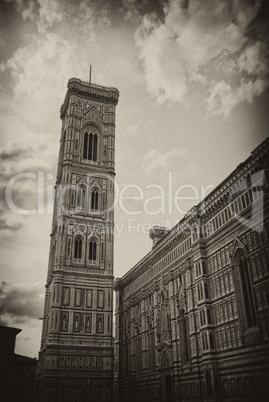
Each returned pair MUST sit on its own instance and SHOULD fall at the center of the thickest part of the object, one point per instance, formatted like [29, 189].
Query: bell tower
[76, 355]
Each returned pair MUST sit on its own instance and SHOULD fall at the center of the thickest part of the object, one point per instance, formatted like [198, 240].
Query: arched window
[78, 248]
[90, 147]
[93, 250]
[81, 197]
[94, 200]
[183, 338]
[165, 359]
[247, 293]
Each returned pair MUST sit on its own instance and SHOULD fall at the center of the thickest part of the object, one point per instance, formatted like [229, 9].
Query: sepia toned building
[192, 317]
[76, 355]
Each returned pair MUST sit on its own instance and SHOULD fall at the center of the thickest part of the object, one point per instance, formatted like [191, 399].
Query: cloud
[157, 159]
[223, 98]
[21, 301]
[24, 7]
[131, 131]
[130, 10]
[4, 225]
[186, 50]
[13, 152]
[51, 14]
[133, 10]
[21, 305]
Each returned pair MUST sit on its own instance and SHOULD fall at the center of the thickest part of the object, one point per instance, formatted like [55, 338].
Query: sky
[194, 95]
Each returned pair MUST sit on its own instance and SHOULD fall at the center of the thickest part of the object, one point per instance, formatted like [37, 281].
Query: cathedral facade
[76, 356]
[192, 317]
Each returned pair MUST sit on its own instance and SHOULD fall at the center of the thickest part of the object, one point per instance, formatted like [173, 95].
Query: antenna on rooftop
[90, 77]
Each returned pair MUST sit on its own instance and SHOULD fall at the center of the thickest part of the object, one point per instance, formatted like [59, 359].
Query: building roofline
[13, 330]
[238, 171]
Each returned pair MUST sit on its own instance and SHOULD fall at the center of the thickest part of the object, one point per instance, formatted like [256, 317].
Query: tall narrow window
[78, 248]
[204, 267]
[209, 319]
[93, 250]
[206, 290]
[81, 197]
[201, 290]
[247, 293]
[198, 290]
[94, 158]
[205, 342]
[68, 246]
[201, 318]
[94, 200]
[183, 338]
[90, 147]
[211, 341]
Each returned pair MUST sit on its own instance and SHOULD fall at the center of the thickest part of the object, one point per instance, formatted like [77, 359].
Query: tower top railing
[90, 91]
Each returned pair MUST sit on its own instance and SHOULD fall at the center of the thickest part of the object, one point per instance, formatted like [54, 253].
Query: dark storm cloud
[134, 10]
[21, 301]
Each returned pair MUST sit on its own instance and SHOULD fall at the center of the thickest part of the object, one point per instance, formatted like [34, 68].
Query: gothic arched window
[245, 306]
[78, 248]
[81, 197]
[94, 200]
[90, 146]
[247, 293]
[93, 250]
[183, 338]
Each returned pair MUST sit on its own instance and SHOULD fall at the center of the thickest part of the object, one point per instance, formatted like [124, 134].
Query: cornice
[97, 93]
[167, 242]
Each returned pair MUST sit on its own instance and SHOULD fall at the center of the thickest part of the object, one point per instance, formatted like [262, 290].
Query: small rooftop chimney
[156, 233]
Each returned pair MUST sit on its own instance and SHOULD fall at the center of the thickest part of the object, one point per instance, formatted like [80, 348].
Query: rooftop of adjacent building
[7, 345]
[159, 234]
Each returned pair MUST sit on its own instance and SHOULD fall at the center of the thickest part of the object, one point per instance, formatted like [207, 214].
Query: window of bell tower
[94, 200]
[93, 250]
[81, 197]
[90, 146]
[78, 248]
